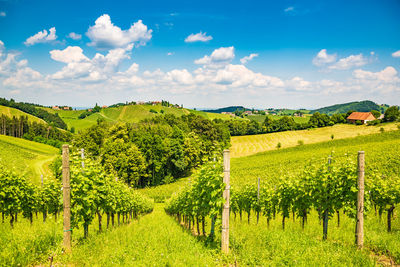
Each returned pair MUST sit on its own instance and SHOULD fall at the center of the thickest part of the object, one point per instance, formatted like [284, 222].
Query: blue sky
[200, 53]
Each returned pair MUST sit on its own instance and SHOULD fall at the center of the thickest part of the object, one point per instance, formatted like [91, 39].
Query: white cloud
[69, 54]
[219, 57]
[298, 84]
[246, 59]
[289, 9]
[323, 58]
[75, 36]
[97, 69]
[389, 74]
[105, 35]
[2, 14]
[170, 53]
[42, 37]
[198, 37]
[396, 54]
[349, 62]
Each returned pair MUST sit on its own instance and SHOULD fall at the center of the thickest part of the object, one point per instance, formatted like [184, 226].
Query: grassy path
[155, 240]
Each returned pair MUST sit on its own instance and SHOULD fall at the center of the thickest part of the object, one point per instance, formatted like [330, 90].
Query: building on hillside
[104, 106]
[55, 107]
[364, 117]
[66, 108]
[248, 112]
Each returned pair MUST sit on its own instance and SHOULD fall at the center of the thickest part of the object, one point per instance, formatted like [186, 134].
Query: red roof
[361, 116]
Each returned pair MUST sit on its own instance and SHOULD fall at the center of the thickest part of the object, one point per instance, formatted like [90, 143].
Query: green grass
[154, 240]
[163, 192]
[130, 113]
[259, 245]
[27, 244]
[10, 112]
[26, 157]
[252, 144]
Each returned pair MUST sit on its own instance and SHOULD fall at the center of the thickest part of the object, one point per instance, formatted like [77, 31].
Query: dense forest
[35, 110]
[154, 151]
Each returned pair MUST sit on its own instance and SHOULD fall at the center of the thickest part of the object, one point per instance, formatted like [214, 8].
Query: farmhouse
[364, 117]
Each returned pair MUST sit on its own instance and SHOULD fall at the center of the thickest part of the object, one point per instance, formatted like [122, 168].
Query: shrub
[279, 145]
[300, 142]
[153, 111]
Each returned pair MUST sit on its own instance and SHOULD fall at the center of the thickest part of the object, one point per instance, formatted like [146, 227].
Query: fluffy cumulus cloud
[105, 35]
[42, 37]
[323, 58]
[75, 36]
[246, 59]
[349, 62]
[396, 54]
[80, 67]
[69, 55]
[2, 14]
[219, 57]
[198, 37]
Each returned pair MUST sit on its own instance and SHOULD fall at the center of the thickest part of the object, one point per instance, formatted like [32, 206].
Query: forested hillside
[361, 106]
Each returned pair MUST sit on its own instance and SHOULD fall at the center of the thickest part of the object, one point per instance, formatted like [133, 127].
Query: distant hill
[226, 109]
[127, 113]
[361, 106]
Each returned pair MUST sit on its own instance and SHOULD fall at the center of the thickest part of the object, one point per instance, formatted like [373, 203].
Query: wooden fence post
[225, 210]
[360, 201]
[66, 198]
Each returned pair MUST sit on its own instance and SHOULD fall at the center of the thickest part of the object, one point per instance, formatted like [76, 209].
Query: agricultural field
[27, 157]
[10, 112]
[252, 144]
[129, 113]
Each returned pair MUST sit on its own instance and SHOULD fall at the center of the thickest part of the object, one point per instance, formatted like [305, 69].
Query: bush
[300, 142]
[358, 122]
[279, 145]
[153, 111]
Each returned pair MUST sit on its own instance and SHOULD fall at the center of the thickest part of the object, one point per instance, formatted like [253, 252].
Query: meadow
[252, 144]
[27, 157]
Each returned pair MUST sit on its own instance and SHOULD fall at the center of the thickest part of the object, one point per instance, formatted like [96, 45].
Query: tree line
[154, 151]
[287, 123]
[35, 110]
[21, 127]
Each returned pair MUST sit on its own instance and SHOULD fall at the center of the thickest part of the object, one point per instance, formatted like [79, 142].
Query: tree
[392, 114]
[376, 114]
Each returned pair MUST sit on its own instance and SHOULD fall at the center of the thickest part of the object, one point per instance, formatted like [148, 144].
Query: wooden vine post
[66, 199]
[225, 209]
[360, 201]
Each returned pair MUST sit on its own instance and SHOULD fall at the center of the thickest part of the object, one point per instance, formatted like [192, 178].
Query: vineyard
[323, 188]
[93, 193]
[302, 213]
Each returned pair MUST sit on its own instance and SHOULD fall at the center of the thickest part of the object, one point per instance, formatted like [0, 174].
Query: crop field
[10, 112]
[26, 156]
[252, 144]
[130, 113]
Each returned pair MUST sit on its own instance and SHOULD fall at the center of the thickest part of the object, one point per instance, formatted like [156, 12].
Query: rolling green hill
[128, 113]
[10, 112]
[361, 106]
[27, 157]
